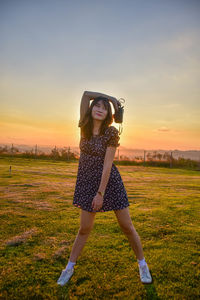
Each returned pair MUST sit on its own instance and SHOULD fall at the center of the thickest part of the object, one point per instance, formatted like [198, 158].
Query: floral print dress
[90, 168]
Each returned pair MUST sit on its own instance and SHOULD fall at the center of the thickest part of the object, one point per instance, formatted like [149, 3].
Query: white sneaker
[65, 276]
[145, 275]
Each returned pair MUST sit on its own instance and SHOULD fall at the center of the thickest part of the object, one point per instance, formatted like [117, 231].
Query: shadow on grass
[151, 292]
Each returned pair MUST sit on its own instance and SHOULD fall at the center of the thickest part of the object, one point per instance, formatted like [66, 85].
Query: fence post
[36, 150]
[144, 156]
[171, 160]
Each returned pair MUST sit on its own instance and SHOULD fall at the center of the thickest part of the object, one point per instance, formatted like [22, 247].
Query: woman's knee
[127, 229]
[124, 220]
[87, 221]
[84, 230]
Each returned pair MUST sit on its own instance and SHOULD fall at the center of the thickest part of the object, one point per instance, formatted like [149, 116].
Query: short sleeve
[113, 137]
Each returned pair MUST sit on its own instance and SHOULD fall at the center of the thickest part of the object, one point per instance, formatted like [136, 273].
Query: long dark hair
[87, 123]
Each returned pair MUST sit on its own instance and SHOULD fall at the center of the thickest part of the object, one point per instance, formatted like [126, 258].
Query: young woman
[99, 186]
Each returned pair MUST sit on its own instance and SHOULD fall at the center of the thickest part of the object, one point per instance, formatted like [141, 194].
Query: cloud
[163, 128]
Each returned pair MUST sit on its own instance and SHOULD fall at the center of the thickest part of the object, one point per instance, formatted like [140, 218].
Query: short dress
[90, 168]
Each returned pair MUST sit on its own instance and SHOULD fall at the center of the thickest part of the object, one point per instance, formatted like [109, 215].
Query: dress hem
[79, 206]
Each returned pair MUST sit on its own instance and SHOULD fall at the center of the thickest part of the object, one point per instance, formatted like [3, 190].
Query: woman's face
[99, 112]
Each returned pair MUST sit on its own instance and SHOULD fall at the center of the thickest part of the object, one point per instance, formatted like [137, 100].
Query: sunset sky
[147, 52]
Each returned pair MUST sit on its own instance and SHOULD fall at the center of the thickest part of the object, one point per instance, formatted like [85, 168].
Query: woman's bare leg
[86, 225]
[127, 227]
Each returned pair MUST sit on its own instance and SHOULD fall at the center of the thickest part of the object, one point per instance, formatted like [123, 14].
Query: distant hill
[122, 151]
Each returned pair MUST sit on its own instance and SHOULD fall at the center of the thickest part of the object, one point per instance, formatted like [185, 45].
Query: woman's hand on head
[97, 202]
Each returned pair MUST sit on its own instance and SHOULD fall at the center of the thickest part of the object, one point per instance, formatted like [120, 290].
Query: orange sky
[151, 59]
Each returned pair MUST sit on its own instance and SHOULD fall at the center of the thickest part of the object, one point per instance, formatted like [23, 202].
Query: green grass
[39, 225]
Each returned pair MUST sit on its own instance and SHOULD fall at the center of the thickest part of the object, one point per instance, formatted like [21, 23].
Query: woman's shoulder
[113, 136]
[112, 129]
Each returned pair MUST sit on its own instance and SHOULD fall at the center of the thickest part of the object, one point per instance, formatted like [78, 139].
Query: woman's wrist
[101, 193]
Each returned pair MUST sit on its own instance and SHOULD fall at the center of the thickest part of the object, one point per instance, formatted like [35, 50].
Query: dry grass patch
[39, 256]
[61, 252]
[145, 208]
[19, 239]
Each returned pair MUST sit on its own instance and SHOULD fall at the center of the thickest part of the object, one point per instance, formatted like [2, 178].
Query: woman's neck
[96, 128]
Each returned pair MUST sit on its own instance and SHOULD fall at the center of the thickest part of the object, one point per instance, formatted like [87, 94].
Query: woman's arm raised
[85, 100]
[93, 95]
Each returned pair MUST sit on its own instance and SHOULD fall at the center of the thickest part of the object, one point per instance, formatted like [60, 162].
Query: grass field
[39, 225]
